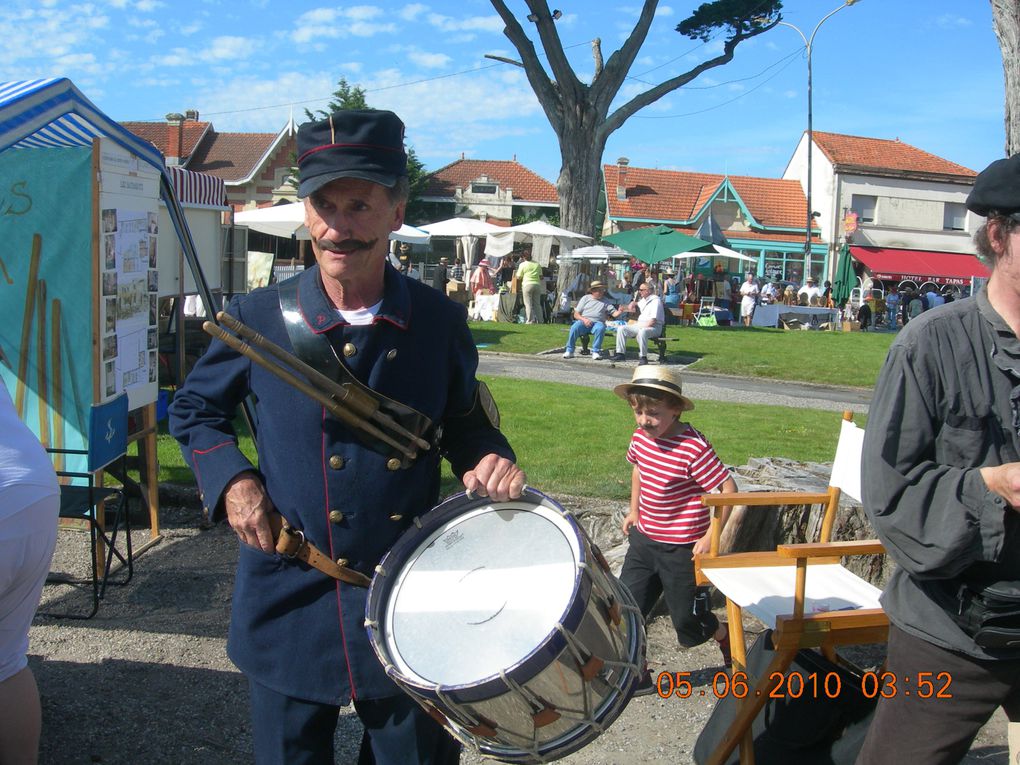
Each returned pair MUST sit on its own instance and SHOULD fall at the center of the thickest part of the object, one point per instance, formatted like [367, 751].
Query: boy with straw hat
[667, 525]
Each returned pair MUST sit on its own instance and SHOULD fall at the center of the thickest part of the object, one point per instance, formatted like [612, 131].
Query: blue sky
[928, 72]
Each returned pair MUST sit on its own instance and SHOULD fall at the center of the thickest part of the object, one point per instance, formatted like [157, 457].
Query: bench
[660, 347]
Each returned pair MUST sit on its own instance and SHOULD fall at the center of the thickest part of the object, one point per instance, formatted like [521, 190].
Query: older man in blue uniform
[296, 633]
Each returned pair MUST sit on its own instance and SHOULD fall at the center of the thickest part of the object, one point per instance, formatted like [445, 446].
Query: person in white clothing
[649, 325]
[29, 505]
[748, 298]
[809, 290]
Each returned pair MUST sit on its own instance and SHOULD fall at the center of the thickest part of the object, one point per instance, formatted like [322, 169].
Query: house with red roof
[496, 191]
[255, 167]
[760, 217]
[900, 209]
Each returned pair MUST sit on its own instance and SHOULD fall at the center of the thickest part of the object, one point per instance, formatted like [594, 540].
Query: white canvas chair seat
[767, 592]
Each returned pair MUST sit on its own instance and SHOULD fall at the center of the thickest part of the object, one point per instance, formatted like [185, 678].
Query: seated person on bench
[649, 325]
[590, 316]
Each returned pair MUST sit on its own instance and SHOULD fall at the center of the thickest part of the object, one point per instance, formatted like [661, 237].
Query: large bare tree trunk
[1006, 19]
[580, 179]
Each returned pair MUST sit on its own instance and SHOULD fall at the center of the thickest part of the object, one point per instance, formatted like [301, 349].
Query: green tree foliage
[739, 17]
[346, 96]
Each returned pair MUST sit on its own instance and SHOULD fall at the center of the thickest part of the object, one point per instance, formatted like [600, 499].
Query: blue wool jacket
[293, 629]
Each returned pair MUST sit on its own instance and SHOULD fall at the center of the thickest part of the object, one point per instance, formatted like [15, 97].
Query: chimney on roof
[621, 180]
[191, 114]
[175, 138]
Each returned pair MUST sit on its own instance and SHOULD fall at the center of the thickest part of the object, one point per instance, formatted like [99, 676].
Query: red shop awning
[891, 264]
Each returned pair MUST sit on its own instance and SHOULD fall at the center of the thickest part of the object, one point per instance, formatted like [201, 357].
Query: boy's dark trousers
[655, 568]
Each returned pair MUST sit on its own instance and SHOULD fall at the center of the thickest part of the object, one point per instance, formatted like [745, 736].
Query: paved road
[581, 370]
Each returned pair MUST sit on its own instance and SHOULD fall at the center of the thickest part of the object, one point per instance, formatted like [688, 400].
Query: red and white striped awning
[195, 189]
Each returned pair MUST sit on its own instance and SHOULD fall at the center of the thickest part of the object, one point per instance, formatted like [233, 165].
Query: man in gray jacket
[941, 483]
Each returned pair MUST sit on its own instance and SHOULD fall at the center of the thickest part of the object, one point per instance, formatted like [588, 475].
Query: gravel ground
[147, 680]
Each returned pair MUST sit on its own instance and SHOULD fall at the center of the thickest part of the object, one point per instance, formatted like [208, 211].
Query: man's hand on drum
[495, 477]
[248, 507]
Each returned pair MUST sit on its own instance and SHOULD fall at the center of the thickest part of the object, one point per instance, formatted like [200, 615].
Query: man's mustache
[346, 245]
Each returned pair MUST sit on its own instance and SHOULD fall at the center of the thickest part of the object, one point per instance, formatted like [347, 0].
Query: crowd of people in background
[876, 308]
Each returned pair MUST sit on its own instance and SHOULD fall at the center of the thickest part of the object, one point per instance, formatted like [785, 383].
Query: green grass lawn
[826, 358]
[572, 439]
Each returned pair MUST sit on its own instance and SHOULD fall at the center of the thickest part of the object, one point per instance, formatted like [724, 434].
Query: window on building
[954, 218]
[483, 188]
[864, 206]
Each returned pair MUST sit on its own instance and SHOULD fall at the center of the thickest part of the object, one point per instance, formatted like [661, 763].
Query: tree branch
[619, 64]
[545, 90]
[650, 96]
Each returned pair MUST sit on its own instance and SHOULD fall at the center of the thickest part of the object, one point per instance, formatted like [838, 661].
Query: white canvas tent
[467, 232]
[721, 251]
[599, 253]
[540, 234]
[287, 220]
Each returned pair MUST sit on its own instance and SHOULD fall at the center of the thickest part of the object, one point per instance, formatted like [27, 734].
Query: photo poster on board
[128, 277]
[46, 267]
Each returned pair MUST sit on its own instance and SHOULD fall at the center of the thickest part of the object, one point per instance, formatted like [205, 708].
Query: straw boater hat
[596, 285]
[666, 379]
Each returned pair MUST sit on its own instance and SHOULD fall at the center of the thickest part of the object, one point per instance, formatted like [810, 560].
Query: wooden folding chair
[801, 591]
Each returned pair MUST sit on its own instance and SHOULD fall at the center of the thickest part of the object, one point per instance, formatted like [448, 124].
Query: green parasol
[845, 279]
[654, 244]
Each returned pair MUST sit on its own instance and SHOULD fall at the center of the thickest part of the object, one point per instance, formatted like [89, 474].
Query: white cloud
[147, 6]
[491, 23]
[949, 21]
[227, 48]
[431, 60]
[665, 10]
[334, 23]
[362, 12]
[412, 11]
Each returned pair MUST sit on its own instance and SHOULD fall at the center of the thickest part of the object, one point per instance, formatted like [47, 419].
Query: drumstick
[44, 406]
[58, 387]
[26, 325]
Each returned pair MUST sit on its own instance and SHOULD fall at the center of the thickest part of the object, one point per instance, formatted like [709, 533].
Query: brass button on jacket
[336, 462]
[396, 517]
[335, 516]
[349, 349]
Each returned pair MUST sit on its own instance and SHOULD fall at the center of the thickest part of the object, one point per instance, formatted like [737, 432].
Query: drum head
[481, 592]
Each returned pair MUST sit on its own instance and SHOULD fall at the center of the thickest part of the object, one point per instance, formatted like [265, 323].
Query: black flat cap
[997, 188]
[351, 143]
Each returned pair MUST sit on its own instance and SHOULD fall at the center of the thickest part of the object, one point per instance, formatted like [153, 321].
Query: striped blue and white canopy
[53, 112]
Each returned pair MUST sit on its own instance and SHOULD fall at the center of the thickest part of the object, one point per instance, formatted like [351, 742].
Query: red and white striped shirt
[675, 471]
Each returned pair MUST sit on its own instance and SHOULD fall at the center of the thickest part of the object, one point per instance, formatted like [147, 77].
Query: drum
[503, 621]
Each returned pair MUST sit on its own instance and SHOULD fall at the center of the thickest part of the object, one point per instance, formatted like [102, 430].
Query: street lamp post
[808, 43]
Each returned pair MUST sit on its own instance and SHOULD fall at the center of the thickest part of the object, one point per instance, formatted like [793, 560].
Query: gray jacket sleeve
[922, 451]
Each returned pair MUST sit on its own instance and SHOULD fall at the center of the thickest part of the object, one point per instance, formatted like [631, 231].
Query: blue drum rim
[528, 667]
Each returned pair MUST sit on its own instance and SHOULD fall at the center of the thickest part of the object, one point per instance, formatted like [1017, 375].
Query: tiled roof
[527, 185]
[232, 156]
[158, 134]
[669, 195]
[850, 151]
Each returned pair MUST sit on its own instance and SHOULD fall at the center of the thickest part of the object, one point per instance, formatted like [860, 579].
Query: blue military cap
[351, 143]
